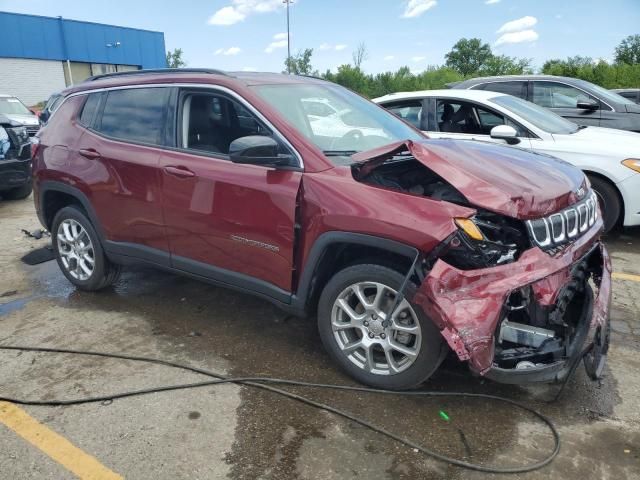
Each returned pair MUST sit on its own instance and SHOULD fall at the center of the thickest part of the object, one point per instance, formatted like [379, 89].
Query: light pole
[288, 2]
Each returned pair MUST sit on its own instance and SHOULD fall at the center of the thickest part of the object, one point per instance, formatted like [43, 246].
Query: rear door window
[136, 115]
[630, 95]
[410, 112]
[517, 89]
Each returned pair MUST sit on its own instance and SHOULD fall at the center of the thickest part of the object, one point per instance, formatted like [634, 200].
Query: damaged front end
[528, 321]
[521, 289]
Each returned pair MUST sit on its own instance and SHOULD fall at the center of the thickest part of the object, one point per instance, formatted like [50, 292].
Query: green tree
[504, 65]
[300, 63]
[629, 50]
[468, 55]
[351, 77]
[174, 59]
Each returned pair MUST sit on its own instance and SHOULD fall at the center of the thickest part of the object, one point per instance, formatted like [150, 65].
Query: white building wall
[32, 81]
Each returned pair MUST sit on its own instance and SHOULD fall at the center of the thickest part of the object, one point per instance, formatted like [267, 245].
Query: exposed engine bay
[503, 238]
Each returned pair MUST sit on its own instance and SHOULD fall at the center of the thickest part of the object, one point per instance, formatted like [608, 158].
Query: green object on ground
[444, 415]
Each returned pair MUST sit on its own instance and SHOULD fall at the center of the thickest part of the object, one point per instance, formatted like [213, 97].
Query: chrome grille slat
[564, 226]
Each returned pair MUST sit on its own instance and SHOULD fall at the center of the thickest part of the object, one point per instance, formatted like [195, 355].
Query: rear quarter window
[89, 109]
[136, 115]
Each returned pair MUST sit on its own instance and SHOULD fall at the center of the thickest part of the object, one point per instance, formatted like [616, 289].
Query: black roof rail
[156, 71]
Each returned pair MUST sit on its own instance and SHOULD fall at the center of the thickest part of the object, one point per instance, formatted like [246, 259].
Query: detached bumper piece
[529, 321]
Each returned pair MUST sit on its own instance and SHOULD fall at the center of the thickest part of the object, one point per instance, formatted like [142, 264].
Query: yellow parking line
[626, 276]
[55, 446]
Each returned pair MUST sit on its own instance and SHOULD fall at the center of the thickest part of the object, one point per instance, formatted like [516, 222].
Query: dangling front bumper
[469, 305]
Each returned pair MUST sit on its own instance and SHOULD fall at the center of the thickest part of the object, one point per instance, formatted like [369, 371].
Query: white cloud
[388, 58]
[249, 69]
[226, 16]
[518, 25]
[275, 45]
[415, 8]
[559, 16]
[518, 37]
[241, 9]
[228, 51]
[417, 59]
[491, 2]
[327, 46]
[279, 41]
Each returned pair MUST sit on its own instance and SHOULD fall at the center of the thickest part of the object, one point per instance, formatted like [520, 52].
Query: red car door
[118, 156]
[230, 222]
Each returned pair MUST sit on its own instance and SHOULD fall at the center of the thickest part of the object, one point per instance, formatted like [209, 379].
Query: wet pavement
[237, 432]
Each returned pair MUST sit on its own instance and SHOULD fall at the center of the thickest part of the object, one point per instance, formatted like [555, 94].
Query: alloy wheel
[76, 250]
[372, 339]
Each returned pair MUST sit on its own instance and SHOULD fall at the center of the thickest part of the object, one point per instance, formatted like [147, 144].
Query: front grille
[564, 226]
[32, 130]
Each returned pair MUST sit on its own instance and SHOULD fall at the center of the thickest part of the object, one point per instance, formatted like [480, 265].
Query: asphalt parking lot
[235, 432]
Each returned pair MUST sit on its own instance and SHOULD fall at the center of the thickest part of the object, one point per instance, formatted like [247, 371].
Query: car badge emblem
[580, 192]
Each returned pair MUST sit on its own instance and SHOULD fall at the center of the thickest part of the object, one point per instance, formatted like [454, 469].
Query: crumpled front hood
[22, 119]
[510, 181]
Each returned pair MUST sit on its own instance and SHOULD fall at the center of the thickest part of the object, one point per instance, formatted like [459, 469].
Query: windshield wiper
[580, 127]
[339, 153]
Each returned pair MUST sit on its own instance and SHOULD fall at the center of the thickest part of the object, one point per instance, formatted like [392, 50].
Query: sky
[251, 34]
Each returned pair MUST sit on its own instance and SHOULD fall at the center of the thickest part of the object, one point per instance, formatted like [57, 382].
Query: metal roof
[49, 38]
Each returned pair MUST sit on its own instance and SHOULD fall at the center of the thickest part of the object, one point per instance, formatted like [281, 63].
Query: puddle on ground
[13, 305]
[257, 339]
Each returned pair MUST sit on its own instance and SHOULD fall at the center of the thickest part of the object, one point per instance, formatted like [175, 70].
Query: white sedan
[610, 158]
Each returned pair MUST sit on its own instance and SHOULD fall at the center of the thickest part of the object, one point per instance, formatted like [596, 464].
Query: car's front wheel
[79, 253]
[396, 351]
[609, 202]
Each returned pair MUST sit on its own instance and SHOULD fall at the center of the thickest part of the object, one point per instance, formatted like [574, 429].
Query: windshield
[540, 117]
[13, 106]
[608, 96]
[348, 124]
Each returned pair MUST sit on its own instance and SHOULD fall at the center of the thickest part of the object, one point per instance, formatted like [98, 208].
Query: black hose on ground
[265, 384]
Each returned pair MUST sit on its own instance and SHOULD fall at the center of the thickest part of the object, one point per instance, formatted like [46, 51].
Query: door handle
[182, 172]
[89, 153]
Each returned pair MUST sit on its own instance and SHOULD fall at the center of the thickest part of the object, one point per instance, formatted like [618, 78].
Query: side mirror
[588, 105]
[506, 133]
[257, 150]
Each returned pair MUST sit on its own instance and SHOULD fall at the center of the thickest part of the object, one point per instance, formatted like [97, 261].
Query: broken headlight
[486, 240]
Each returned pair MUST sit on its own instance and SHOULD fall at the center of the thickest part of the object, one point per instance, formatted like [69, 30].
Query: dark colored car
[15, 160]
[403, 247]
[52, 104]
[577, 100]
[632, 94]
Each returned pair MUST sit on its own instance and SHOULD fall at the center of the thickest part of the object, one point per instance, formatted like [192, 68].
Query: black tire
[104, 272]
[18, 193]
[609, 202]
[432, 347]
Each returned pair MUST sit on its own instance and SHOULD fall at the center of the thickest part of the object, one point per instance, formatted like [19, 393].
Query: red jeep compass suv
[303, 193]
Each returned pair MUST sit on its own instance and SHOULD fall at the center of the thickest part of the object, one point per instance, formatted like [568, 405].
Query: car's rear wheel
[18, 193]
[609, 201]
[79, 252]
[396, 351]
